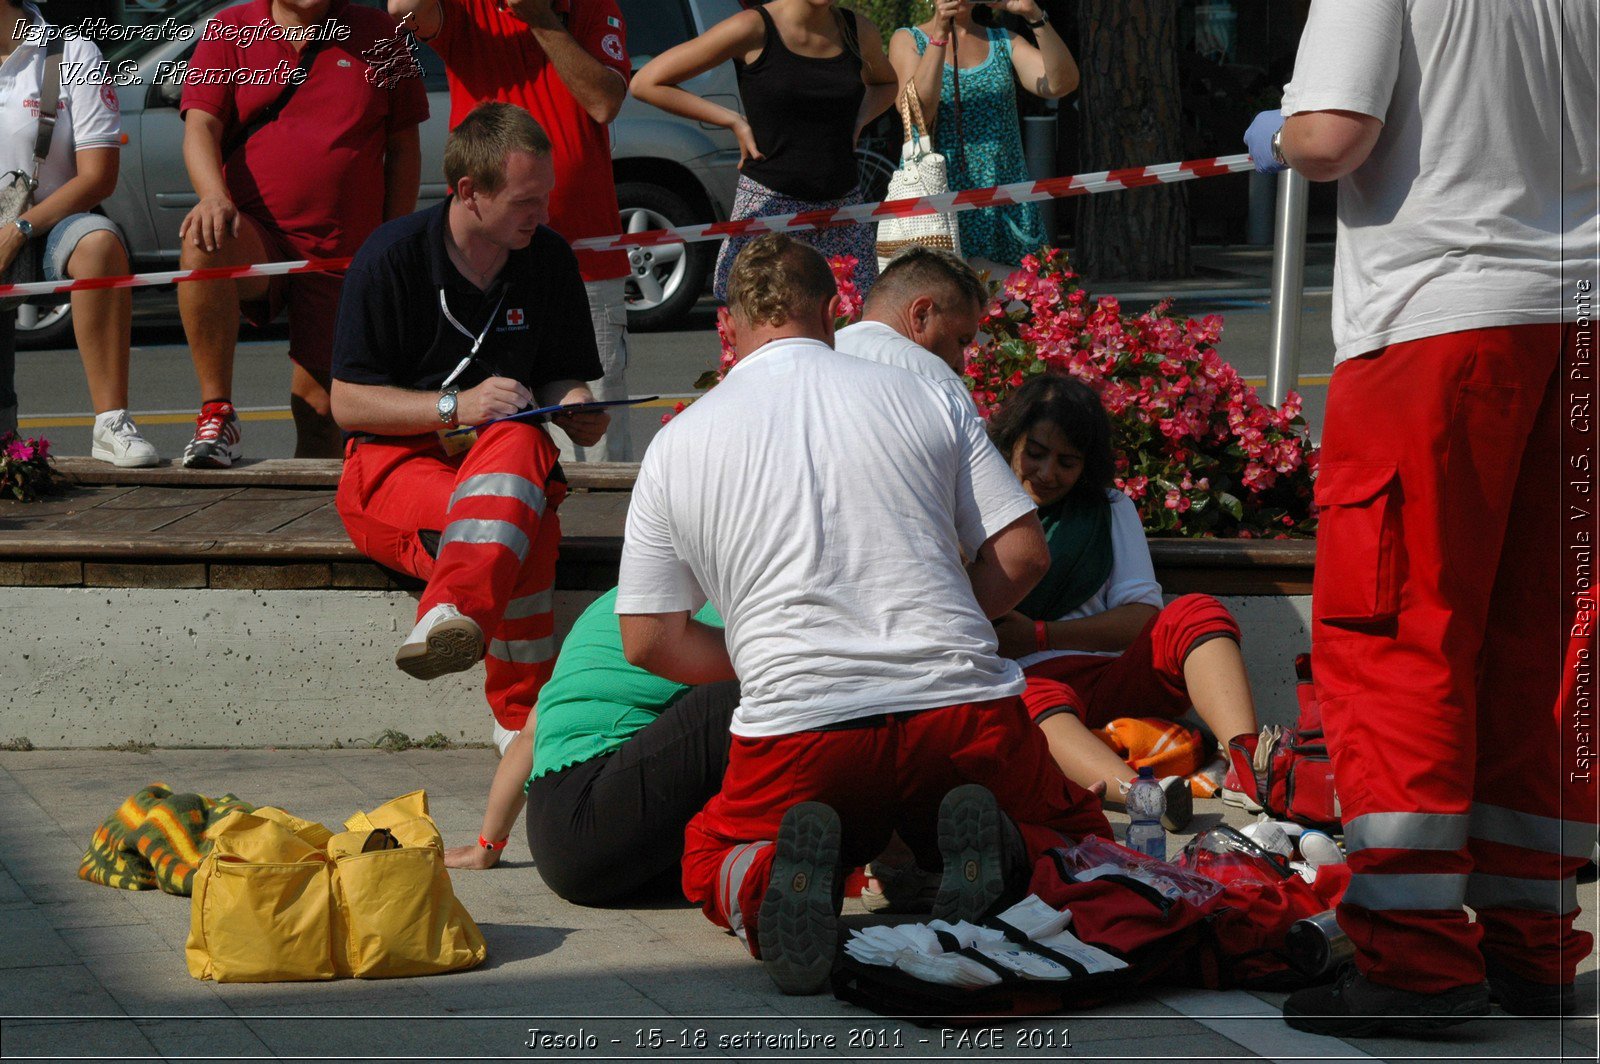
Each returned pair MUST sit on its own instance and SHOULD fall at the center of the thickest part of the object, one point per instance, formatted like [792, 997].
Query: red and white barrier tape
[968, 200]
[145, 280]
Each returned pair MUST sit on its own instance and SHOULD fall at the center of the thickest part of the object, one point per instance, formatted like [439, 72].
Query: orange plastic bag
[1168, 747]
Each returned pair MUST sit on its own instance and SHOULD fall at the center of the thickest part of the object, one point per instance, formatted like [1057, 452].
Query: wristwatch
[1044, 17]
[25, 226]
[447, 406]
[1277, 147]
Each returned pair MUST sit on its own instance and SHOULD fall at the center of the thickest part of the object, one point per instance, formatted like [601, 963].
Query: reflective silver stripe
[504, 533]
[1406, 831]
[731, 877]
[1510, 892]
[530, 605]
[1406, 891]
[505, 485]
[1496, 823]
[523, 651]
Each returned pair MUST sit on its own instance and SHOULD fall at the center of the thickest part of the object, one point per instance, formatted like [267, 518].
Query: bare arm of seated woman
[1115, 629]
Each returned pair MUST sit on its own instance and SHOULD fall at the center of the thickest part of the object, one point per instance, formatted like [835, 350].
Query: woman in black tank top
[810, 77]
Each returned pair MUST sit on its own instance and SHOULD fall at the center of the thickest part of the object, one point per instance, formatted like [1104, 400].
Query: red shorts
[1146, 680]
[881, 775]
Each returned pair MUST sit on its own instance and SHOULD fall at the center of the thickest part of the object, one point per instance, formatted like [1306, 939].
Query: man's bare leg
[315, 433]
[210, 309]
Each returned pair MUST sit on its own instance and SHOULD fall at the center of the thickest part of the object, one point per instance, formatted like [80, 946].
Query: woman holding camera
[985, 146]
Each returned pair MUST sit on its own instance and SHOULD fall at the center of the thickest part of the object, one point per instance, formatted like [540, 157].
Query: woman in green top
[620, 760]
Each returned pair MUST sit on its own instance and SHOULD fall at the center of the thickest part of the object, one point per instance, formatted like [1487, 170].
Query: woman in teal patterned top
[990, 152]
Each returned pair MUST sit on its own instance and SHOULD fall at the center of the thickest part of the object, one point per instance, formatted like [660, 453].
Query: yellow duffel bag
[280, 898]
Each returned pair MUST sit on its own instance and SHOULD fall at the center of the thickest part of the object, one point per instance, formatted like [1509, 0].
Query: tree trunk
[1130, 115]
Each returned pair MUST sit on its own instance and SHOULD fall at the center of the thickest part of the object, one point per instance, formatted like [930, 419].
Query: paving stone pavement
[93, 973]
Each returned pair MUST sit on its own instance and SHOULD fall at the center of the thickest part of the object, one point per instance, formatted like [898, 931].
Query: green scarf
[1078, 529]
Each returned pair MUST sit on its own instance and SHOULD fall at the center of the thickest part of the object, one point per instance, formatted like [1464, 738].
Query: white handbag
[922, 172]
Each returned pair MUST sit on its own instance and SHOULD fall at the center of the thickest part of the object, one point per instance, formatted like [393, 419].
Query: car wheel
[44, 326]
[664, 282]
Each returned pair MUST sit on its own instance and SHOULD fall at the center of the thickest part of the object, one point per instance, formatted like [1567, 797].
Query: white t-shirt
[90, 116]
[823, 503]
[877, 342]
[1480, 195]
[1132, 579]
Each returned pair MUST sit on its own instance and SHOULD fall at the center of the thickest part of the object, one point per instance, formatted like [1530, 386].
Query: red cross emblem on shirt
[514, 316]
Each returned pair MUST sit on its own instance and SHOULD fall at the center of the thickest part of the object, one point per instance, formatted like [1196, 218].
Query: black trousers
[8, 360]
[602, 829]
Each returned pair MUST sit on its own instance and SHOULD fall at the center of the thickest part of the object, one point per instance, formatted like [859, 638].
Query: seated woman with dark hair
[1093, 638]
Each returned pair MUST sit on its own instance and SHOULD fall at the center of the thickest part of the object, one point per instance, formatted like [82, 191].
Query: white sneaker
[117, 440]
[442, 642]
[1317, 848]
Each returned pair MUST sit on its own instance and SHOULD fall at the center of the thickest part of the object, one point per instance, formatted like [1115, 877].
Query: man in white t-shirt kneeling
[920, 315]
[824, 504]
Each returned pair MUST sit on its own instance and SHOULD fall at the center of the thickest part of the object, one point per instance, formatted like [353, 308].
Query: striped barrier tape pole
[970, 199]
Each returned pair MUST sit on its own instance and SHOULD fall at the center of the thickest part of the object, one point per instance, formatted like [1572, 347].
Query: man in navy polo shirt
[454, 316]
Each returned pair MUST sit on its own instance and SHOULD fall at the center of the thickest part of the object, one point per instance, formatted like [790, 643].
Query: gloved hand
[1258, 138]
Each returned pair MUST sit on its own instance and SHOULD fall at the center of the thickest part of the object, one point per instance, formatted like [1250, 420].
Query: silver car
[670, 171]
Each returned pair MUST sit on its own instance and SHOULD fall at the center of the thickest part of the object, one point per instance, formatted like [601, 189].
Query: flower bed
[1198, 452]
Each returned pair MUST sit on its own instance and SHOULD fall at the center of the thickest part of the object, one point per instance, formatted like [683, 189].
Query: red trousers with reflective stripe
[1444, 649]
[501, 571]
[887, 776]
[1146, 680]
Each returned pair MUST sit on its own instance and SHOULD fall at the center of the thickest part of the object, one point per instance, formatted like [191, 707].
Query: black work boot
[985, 862]
[1524, 997]
[1352, 1006]
[798, 929]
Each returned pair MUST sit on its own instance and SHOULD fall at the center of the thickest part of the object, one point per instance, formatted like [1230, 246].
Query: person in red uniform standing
[1449, 644]
[455, 316]
[301, 159]
[566, 63]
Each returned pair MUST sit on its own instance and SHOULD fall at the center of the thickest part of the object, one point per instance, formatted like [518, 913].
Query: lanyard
[477, 341]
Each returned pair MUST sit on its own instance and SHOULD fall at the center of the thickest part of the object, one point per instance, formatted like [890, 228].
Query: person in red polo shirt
[566, 62]
[300, 138]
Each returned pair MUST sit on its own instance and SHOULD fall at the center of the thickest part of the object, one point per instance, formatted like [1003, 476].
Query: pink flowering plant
[1197, 450]
[25, 471]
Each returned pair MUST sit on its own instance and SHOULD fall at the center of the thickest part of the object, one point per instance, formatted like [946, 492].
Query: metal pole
[1288, 285]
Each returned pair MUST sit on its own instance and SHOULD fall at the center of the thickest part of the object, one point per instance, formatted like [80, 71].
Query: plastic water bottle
[1147, 804]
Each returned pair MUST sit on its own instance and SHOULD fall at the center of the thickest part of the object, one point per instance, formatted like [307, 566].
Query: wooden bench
[268, 525]
[271, 525]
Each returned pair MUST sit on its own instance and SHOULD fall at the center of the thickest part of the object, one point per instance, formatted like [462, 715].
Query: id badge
[455, 443]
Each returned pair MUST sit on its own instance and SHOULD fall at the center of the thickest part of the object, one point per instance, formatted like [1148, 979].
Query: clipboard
[538, 414]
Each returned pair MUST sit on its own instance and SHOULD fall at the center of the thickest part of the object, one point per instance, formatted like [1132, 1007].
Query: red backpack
[1297, 780]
